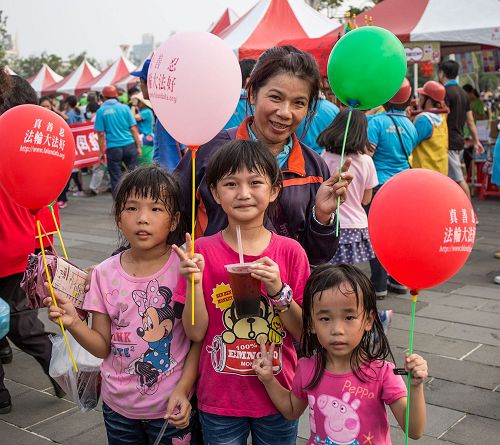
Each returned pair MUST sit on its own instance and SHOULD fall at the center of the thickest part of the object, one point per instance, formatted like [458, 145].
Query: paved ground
[457, 330]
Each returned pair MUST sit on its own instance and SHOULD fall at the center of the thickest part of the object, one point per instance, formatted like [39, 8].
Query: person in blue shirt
[242, 110]
[167, 151]
[116, 126]
[392, 138]
[73, 113]
[323, 116]
[142, 110]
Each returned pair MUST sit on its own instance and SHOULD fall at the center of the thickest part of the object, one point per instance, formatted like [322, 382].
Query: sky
[66, 27]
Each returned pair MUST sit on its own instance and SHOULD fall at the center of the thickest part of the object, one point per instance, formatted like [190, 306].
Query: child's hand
[178, 409]
[190, 264]
[64, 309]
[417, 367]
[263, 366]
[267, 271]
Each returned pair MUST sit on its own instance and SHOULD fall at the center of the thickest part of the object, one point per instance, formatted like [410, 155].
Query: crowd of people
[267, 187]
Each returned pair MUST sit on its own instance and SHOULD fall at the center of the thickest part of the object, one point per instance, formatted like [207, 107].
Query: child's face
[145, 223]
[338, 322]
[244, 196]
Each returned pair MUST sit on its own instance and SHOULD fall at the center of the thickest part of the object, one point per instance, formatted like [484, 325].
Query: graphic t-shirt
[148, 342]
[343, 410]
[227, 384]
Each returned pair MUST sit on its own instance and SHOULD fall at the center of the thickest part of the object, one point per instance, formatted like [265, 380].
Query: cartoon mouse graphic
[158, 319]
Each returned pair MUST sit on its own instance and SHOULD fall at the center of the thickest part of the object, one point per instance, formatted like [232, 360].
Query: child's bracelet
[283, 298]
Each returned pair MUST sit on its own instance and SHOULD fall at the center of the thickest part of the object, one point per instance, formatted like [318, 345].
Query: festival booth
[271, 21]
[44, 79]
[227, 18]
[73, 81]
[114, 73]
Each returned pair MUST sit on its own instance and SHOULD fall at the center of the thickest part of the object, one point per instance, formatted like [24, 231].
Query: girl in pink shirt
[245, 180]
[344, 378]
[149, 366]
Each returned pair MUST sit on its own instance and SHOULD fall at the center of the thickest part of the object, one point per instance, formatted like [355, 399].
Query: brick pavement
[457, 331]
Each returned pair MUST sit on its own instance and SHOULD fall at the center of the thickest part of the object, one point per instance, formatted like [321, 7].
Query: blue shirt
[74, 117]
[324, 115]
[241, 112]
[145, 126]
[115, 119]
[166, 149]
[424, 128]
[389, 157]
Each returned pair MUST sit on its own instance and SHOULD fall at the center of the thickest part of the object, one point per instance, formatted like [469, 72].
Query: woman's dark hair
[238, 154]
[14, 90]
[373, 345]
[43, 99]
[388, 106]
[72, 102]
[332, 136]
[470, 89]
[152, 182]
[286, 60]
[92, 107]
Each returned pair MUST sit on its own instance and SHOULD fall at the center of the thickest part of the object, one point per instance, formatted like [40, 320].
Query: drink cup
[246, 290]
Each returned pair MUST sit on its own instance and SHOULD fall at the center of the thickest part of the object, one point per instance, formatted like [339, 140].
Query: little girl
[244, 178]
[354, 242]
[344, 377]
[149, 367]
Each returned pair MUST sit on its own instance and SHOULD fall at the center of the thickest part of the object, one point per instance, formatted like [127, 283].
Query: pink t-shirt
[352, 214]
[343, 410]
[227, 385]
[148, 342]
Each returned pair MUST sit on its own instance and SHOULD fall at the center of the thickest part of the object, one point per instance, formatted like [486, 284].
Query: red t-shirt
[227, 385]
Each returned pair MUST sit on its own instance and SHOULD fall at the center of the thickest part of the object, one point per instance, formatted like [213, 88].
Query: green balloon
[366, 67]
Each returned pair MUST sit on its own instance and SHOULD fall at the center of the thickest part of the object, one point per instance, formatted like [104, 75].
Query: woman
[282, 90]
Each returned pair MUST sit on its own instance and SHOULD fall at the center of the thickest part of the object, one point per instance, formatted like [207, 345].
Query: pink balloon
[194, 84]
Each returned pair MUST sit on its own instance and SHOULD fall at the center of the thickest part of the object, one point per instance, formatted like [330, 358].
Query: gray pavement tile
[492, 306]
[34, 406]
[398, 304]
[71, 425]
[489, 355]
[430, 343]
[455, 300]
[490, 293]
[448, 286]
[78, 236]
[472, 333]
[423, 325]
[398, 437]
[12, 435]
[473, 429]
[460, 315]
[26, 370]
[459, 397]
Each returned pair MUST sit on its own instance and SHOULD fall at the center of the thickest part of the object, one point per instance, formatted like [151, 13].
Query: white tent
[44, 79]
[74, 80]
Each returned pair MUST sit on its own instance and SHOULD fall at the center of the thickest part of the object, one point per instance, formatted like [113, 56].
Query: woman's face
[280, 106]
[46, 104]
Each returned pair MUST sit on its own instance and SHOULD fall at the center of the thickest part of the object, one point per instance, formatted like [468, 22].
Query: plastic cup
[246, 290]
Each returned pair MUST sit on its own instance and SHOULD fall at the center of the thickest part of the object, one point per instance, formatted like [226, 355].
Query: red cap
[109, 91]
[403, 93]
[434, 90]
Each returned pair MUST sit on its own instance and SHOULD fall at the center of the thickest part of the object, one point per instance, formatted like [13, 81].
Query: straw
[161, 433]
[240, 244]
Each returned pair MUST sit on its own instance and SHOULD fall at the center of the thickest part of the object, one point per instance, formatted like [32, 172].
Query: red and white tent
[458, 25]
[117, 71]
[130, 81]
[271, 21]
[226, 19]
[44, 79]
[9, 71]
[73, 81]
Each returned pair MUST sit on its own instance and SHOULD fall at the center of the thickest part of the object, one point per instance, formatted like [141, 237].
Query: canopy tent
[227, 18]
[271, 21]
[9, 71]
[117, 71]
[458, 25]
[44, 79]
[129, 81]
[73, 81]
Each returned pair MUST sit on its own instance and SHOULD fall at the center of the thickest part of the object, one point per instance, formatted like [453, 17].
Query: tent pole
[415, 78]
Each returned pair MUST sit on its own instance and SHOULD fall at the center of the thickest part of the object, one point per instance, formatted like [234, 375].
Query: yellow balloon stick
[193, 149]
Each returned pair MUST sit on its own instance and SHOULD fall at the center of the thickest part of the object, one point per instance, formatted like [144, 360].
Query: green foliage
[3, 37]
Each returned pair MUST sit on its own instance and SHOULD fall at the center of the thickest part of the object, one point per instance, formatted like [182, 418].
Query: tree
[4, 38]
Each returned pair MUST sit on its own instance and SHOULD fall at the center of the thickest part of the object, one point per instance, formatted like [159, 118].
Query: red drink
[246, 290]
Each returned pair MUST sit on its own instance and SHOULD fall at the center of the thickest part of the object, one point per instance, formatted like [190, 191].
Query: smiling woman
[283, 90]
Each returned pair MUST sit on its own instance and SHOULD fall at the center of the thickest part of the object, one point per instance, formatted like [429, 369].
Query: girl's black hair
[357, 137]
[43, 99]
[14, 91]
[150, 181]
[72, 102]
[373, 345]
[235, 155]
[286, 60]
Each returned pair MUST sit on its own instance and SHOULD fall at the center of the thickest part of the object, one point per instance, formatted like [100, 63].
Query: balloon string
[49, 279]
[193, 221]
[47, 236]
[337, 222]
[51, 207]
[410, 351]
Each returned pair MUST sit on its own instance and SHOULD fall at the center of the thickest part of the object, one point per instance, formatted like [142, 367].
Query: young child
[344, 378]
[354, 242]
[244, 179]
[149, 367]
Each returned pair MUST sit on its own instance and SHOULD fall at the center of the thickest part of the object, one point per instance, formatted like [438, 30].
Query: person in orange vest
[431, 151]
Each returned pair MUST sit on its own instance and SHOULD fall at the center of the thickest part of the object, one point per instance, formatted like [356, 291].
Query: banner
[417, 52]
[490, 60]
[86, 145]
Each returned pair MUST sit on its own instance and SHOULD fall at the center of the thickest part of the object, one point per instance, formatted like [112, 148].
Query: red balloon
[422, 227]
[37, 155]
